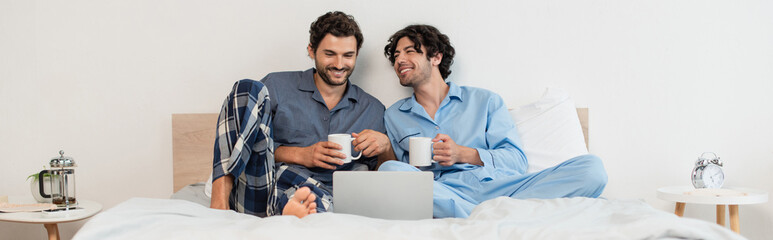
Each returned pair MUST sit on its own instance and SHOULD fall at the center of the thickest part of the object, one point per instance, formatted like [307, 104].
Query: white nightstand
[50, 220]
[727, 196]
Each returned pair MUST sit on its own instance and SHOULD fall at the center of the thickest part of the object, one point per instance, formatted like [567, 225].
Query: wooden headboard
[193, 140]
[193, 144]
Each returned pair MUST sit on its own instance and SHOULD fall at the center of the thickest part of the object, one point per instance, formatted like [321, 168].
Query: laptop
[386, 195]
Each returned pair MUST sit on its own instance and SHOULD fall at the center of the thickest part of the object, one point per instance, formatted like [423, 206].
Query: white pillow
[550, 130]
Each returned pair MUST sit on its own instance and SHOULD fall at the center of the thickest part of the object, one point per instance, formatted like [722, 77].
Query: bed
[186, 215]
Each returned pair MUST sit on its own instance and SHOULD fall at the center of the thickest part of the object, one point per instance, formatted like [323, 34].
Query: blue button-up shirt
[472, 117]
[301, 117]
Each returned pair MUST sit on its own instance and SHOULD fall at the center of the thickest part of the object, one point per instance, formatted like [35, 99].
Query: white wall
[665, 80]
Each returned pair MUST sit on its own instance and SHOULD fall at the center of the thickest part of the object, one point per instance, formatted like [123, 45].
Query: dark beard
[423, 76]
[326, 78]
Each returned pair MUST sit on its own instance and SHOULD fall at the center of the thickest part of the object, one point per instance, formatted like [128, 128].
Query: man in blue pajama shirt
[476, 146]
[285, 119]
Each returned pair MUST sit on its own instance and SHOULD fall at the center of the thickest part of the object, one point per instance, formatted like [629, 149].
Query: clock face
[712, 176]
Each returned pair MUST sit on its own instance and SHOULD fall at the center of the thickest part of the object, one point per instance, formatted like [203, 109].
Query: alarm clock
[708, 172]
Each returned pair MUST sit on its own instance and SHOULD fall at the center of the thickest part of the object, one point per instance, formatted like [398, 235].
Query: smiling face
[413, 68]
[334, 59]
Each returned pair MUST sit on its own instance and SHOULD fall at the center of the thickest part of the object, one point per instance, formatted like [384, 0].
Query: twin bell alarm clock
[708, 172]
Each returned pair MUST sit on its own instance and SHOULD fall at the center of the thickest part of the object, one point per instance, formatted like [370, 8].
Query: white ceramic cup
[345, 140]
[420, 151]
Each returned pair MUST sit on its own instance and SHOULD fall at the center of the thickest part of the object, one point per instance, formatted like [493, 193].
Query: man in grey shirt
[304, 107]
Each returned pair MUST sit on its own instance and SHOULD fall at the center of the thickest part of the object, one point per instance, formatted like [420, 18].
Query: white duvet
[501, 218]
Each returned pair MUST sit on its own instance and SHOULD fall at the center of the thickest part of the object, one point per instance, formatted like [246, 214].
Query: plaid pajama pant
[244, 148]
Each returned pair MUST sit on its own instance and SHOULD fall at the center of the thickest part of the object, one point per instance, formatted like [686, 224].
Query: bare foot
[301, 204]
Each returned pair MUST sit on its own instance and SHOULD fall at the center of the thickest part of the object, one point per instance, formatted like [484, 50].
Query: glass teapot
[62, 181]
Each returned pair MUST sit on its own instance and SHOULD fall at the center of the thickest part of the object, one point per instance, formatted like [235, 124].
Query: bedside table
[720, 197]
[50, 220]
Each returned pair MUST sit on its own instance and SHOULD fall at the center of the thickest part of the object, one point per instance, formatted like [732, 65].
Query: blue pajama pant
[244, 148]
[289, 180]
[455, 194]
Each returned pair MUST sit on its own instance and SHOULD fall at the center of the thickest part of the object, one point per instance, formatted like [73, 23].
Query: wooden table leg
[721, 215]
[735, 223]
[53, 231]
[679, 211]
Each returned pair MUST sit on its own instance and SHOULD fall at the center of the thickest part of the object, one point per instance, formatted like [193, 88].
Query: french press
[62, 180]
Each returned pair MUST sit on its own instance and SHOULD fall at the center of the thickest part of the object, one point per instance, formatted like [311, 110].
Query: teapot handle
[40, 184]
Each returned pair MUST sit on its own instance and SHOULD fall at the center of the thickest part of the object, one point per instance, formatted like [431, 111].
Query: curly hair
[428, 36]
[337, 23]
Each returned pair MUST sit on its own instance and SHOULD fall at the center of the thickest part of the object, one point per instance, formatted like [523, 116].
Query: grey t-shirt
[301, 117]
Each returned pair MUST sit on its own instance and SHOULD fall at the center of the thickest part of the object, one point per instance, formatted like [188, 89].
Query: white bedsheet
[501, 218]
